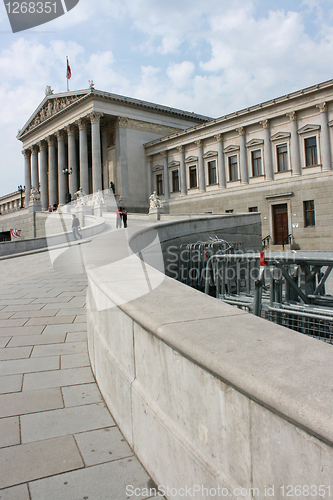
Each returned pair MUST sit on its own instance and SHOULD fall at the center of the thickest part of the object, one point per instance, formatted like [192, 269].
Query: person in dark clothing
[75, 228]
[112, 187]
[124, 216]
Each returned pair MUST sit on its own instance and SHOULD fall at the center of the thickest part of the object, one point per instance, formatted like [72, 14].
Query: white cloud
[180, 73]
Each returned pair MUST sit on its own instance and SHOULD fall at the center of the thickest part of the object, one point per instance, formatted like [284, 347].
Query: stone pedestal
[81, 212]
[35, 206]
[99, 208]
[155, 213]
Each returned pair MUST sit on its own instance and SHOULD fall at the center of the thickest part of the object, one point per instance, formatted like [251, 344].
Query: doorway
[280, 223]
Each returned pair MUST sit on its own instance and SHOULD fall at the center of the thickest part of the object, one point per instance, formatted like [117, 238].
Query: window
[212, 172]
[309, 213]
[311, 151]
[253, 209]
[256, 163]
[229, 211]
[159, 184]
[282, 158]
[193, 177]
[175, 180]
[233, 174]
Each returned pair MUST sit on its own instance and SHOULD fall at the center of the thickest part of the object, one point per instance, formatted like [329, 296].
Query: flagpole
[67, 74]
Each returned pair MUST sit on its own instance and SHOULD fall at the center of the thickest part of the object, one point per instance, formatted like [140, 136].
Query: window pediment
[174, 164]
[280, 136]
[254, 142]
[157, 168]
[210, 154]
[308, 128]
[191, 159]
[231, 149]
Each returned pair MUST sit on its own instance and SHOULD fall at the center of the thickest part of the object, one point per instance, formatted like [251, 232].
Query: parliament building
[274, 158]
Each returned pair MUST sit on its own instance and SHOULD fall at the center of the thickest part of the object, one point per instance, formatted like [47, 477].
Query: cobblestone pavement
[58, 440]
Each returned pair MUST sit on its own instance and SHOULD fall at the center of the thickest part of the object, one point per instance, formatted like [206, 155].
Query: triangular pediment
[157, 168]
[191, 158]
[174, 163]
[210, 154]
[308, 128]
[254, 142]
[51, 106]
[231, 149]
[280, 136]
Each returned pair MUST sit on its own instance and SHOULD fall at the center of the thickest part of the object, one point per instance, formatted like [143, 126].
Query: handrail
[265, 241]
[288, 240]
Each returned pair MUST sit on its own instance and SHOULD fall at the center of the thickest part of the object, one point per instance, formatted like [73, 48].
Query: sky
[211, 57]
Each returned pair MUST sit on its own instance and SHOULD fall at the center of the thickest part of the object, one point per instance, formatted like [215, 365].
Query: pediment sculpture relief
[51, 107]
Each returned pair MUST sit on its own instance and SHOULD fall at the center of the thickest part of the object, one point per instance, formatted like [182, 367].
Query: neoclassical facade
[275, 158]
[89, 138]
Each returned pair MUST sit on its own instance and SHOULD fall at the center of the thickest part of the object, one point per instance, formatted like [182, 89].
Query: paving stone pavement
[57, 438]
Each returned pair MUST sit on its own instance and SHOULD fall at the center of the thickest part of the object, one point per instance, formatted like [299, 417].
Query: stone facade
[89, 138]
[275, 158]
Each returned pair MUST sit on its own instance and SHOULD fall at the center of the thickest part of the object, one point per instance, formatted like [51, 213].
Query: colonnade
[49, 169]
[242, 152]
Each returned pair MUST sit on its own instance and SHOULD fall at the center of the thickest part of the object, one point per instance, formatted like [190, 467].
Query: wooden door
[280, 220]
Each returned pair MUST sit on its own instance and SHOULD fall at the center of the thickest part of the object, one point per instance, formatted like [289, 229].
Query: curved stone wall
[206, 394]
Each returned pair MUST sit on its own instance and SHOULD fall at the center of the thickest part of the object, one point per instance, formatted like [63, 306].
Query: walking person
[124, 214]
[118, 218]
[75, 228]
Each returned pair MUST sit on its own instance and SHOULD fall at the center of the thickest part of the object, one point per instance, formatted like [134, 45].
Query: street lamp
[68, 171]
[21, 189]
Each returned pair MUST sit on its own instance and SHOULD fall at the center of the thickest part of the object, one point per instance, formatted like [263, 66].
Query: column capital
[70, 129]
[34, 149]
[181, 148]
[95, 117]
[60, 135]
[241, 130]
[322, 107]
[82, 123]
[26, 153]
[42, 145]
[219, 137]
[264, 123]
[198, 142]
[51, 140]
[292, 116]
[122, 121]
[149, 157]
[164, 154]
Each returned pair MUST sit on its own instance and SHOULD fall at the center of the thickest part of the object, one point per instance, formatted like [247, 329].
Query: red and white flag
[15, 234]
[69, 73]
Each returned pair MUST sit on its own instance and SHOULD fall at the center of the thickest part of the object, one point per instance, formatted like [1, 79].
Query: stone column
[105, 156]
[27, 175]
[72, 163]
[220, 161]
[83, 144]
[34, 167]
[182, 170]
[295, 156]
[96, 150]
[166, 174]
[244, 171]
[53, 171]
[63, 178]
[149, 174]
[44, 191]
[267, 150]
[201, 169]
[325, 138]
[122, 158]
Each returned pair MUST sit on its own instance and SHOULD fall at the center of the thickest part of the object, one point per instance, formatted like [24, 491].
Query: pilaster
[294, 145]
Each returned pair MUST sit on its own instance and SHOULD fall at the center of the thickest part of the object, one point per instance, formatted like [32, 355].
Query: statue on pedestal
[154, 201]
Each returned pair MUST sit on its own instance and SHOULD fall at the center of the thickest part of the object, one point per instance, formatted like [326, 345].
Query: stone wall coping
[282, 370]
